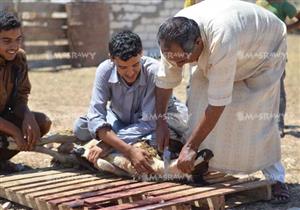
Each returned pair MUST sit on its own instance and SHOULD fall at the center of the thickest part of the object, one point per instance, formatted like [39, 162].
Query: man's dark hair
[8, 21]
[179, 30]
[125, 45]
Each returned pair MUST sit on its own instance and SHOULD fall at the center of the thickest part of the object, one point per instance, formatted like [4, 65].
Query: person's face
[129, 70]
[174, 53]
[10, 42]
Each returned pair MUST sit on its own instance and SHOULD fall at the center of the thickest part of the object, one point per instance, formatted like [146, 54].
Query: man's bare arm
[162, 97]
[189, 151]
[205, 126]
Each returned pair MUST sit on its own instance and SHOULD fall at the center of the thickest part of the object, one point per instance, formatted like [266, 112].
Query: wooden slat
[127, 193]
[45, 7]
[122, 185]
[103, 190]
[80, 175]
[68, 172]
[19, 196]
[45, 22]
[111, 195]
[201, 190]
[214, 175]
[168, 190]
[32, 174]
[40, 198]
[48, 63]
[221, 179]
[45, 49]
[42, 33]
[186, 196]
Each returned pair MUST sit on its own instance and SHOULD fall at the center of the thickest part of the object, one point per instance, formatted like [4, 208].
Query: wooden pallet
[67, 189]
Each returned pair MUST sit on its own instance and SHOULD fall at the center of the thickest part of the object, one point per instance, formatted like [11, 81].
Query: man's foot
[8, 167]
[280, 193]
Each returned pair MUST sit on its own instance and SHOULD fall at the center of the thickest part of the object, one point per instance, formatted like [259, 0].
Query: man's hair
[179, 30]
[8, 21]
[125, 45]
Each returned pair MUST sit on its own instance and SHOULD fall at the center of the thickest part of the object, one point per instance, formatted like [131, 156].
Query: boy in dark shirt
[16, 119]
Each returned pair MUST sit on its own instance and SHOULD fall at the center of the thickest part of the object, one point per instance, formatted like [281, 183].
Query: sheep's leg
[63, 158]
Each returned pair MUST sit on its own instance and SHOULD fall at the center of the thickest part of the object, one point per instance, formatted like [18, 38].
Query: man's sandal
[280, 193]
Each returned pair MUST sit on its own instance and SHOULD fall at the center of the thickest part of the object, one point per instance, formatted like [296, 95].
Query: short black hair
[8, 21]
[180, 30]
[125, 45]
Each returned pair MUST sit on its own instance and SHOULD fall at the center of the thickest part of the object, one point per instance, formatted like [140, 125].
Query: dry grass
[65, 95]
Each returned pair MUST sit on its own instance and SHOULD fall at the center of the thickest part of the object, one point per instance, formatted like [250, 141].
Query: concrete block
[146, 9]
[129, 7]
[116, 7]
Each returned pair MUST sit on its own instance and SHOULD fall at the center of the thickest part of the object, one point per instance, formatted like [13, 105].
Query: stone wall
[143, 17]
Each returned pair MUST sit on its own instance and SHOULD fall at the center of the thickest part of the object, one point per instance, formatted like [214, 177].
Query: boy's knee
[45, 125]
[81, 131]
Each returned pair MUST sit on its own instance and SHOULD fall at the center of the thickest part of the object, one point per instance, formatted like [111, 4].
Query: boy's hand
[94, 153]
[141, 160]
[20, 141]
[31, 130]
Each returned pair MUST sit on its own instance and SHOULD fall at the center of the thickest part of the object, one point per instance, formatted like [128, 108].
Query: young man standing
[127, 81]
[16, 119]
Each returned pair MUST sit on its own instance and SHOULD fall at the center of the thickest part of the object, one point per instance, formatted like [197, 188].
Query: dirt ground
[65, 96]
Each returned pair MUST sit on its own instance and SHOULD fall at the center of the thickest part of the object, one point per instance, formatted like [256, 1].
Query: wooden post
[88, 32]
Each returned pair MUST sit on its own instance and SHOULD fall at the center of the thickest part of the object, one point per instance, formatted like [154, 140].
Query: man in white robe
[237, 53]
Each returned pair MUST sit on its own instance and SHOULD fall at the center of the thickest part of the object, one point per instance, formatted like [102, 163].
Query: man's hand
[94, 154]
[19, 139]
[162, 135]
[31, 130]
[186, 159]
[141, 160]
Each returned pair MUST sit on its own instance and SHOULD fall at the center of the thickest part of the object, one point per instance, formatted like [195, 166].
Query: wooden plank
[19, 196]
[103, 190]
[122, 185]
[75, 196]
[46, 49]
[221, 179]
[13, 193]
[187, 196]
[181, 193]
[67, 172]
[80, 175]
[214, 175]
[113, 196]
[32, 174]
[39, 197]
[168, 190]
[42, 33]
[45, 22]
[48, 63]
[42, 7]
